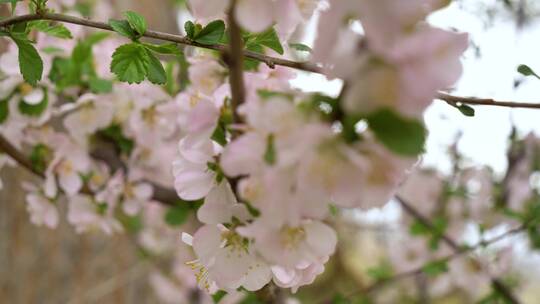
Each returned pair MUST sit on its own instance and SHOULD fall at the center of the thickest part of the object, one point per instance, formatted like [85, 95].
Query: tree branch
[463, 250]
[453, 100]
[234, 58]
[497, 284]
[161, 194]
[268, 60]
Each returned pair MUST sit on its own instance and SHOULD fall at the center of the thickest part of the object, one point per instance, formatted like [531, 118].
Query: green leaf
[136, 21]
[55, 30]
[156, 73]
[100, 86]
[38, 157]
[435, 268]
[404, 136]
[466, 110]
[34, 110]
[268, 38]
[96, 37]
[219, 134]
[177, 215]
[251, 64]
[380, 273]
[4, 110]
[130, 63]
[123, 28]
[218, 296]
[211, 33]
[114, 133]
[165, 49]
[300, 47]
[270, 153]
[418, 228]
[527, 71]
[30, 62]
[190, 29]
[133, 224]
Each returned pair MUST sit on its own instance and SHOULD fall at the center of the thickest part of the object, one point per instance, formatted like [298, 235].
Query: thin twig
[505, 291]
[462, 250]
[235, 61]
[268, 60]
[453, 100]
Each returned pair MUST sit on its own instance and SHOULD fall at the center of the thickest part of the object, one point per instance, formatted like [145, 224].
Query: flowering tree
[132, 134]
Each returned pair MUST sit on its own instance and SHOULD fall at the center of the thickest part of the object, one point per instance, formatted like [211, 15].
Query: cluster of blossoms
[263, 186]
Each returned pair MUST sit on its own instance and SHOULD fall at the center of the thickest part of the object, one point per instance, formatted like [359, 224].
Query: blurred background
[59, 266]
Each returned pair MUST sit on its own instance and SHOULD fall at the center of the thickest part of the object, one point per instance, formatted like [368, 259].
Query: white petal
[206, 243]
[321, 238]
[34, 97]
[218, 204]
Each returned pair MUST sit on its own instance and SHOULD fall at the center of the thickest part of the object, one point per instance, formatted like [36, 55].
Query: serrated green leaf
[30, 63]
[177, 215]
[211, 33]
[136, 21]
[165, 49]
[300, 47]
[268, 38]
[156, 73]
[55, 30]
[123, 28]
[34, 110]
[130, 63]
[190, 29]
[404, 136]
[527, 71]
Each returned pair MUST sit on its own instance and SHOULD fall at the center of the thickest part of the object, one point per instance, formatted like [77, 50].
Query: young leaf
[404, 136]
[268, 38]
[211, 33]
[136, 21]
[130, 63]
[165, 49]
[56, 30]
[190, 29]
[527, 71]
[466, 110]
[156, 73]
[30, 62]
[123, 28]
[177, 215]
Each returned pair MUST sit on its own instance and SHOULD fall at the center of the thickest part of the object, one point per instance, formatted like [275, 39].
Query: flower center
[291, 237]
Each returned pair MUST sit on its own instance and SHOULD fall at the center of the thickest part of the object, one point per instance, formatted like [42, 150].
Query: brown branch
[453, 100]
[268, 60]
[161, 194]
[497, 284]
[462, 250]
[235, 60]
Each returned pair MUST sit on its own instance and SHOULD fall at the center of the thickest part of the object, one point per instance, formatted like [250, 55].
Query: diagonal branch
[453, 100]
[161, 194]
[497, 284]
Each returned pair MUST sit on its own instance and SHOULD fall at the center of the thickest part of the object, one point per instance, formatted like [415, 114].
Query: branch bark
[268, 60]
